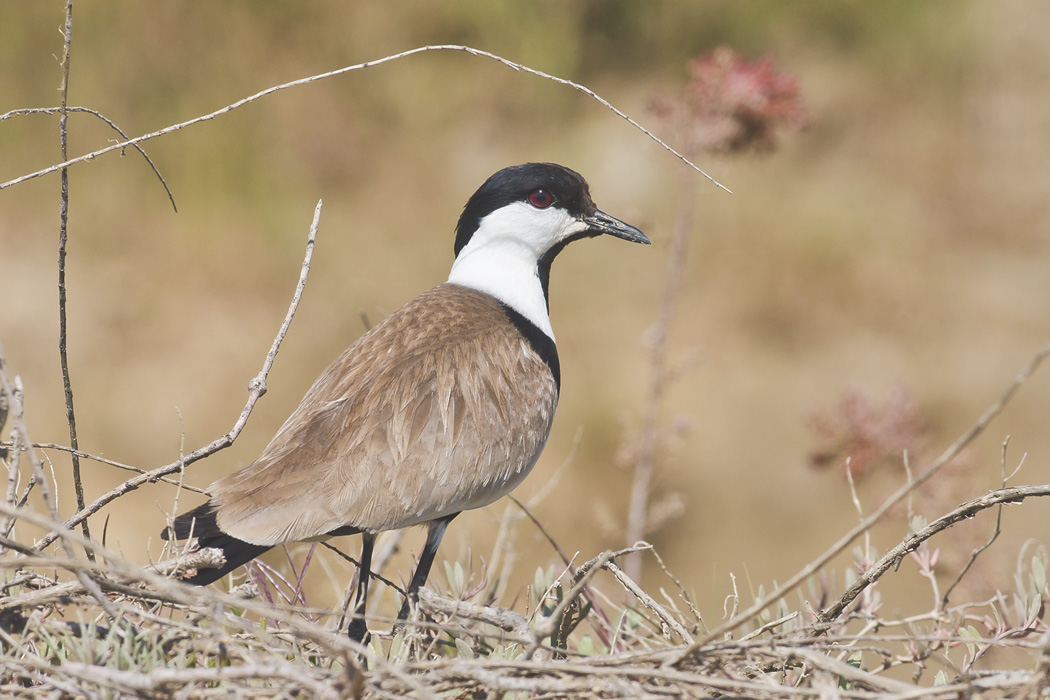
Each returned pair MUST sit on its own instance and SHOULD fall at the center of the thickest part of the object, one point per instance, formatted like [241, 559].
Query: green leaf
[856, 660]
[465, 652]
[397, 646]
[971, 637]
[456, 579]
[460, 578]
[586, 646]
[1038, 575]
[941, 678]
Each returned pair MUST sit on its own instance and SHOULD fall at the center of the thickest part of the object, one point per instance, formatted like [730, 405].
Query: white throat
[502, 257]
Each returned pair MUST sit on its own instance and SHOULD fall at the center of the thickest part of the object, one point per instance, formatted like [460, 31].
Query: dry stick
[161, 585]
[543, 530]
[667, 620]
[995, 535]
[13, 512]
[638, 507]
[852, 674]
[159, 681]
[504, 619]
[112, 125]
[163, 588]
[367, 64]
[682, 593]
[13, 463]
[256, 388]
[949, 454]
[590, 598]
[103, 460]
[589, 679]
[545, 626]
[63, 336]
[893, 558]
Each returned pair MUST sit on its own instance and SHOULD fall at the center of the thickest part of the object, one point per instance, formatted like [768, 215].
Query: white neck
[502, 257]
[508, 273]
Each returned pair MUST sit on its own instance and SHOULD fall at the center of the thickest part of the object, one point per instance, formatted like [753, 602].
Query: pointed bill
[600, 222]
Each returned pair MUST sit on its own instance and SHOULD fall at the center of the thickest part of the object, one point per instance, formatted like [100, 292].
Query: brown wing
[440, 408]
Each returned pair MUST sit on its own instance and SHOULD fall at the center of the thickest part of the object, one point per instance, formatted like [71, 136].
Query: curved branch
[112, 125]
[893, 558]
[347, 69]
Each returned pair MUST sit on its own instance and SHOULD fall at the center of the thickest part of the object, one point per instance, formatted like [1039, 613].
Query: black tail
[200, 523]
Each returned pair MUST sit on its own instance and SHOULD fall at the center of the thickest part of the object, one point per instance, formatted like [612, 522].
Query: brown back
[440, 408]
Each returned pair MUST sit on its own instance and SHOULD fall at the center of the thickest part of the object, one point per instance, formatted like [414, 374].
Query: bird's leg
[426, 560]
[357, 630]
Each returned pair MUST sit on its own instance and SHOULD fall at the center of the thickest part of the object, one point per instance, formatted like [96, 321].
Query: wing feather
[380, 443]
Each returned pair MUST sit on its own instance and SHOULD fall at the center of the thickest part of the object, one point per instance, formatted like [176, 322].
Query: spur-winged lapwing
[443, 406]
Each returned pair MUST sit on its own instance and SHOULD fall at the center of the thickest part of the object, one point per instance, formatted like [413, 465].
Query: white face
[520, 224]
[502, 255]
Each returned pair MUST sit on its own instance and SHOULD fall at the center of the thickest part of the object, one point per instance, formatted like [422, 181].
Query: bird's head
[516, 223]
[539, 206]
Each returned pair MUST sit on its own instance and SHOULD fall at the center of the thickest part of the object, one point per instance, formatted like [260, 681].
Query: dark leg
[426, 560]
[357, 630]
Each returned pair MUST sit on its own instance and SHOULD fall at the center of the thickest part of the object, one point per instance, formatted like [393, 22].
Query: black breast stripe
[540, 342]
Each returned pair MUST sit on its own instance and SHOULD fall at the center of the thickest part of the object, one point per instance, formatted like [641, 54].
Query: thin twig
[102, 460]
[367, 64]
[13, 474]
[649, 440]
[994, 536]
[63, 336]
[667, 620]
[587, 593]
[893, 558]
[543, 530]
[545, 626]
[12, 512]
[256, 388]
[112, 125]
[504, 619]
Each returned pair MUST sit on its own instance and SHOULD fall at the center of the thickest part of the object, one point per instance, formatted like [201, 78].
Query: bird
[443, 406]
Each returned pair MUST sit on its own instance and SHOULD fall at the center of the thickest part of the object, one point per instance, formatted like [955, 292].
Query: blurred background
[874, 282]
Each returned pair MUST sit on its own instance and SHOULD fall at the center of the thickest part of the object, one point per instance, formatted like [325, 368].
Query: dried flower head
[867, 433]
[732, 104]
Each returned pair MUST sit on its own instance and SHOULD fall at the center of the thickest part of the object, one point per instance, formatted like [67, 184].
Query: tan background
[904, 239]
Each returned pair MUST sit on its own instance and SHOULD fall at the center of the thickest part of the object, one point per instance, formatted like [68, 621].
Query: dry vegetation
[936, 591]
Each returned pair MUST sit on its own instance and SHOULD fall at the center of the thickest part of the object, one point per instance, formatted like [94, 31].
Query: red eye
[541, 199]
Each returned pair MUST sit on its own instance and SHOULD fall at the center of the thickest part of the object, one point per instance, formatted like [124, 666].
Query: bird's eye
[541, 199]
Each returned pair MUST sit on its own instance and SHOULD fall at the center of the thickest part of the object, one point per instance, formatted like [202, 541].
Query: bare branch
[63, 337]
[112, 125]
[667, 620]
[101, 460]
[367, 64]
[545, 626]
[893, 558]
[256, 388]
[12, 511]
[504, 619]
[638, 509]
[994, 536]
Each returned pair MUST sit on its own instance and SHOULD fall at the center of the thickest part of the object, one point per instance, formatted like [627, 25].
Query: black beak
[600, 222]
